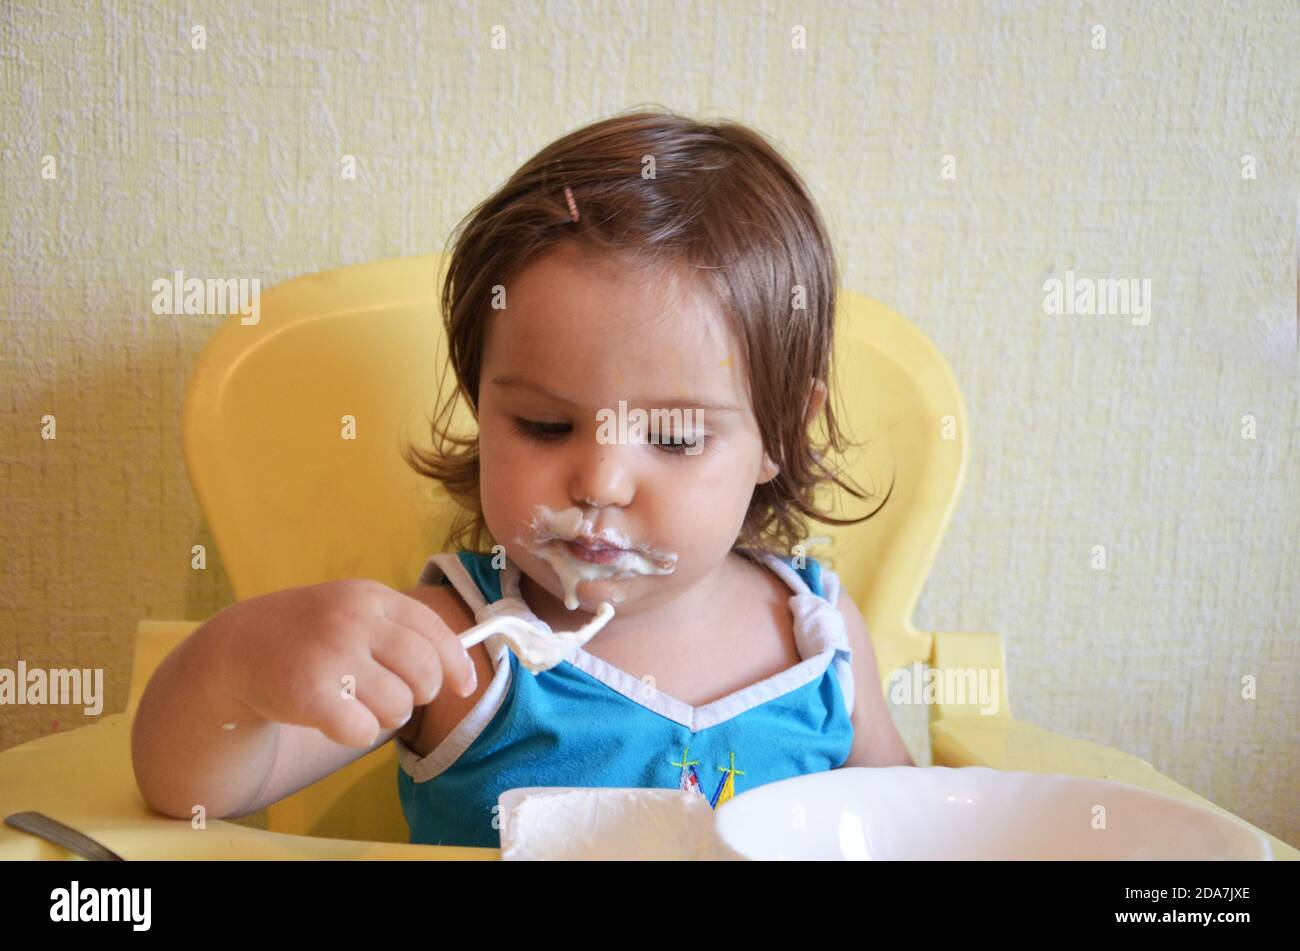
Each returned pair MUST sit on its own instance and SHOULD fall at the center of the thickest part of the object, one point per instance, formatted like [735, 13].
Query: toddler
[641, 320]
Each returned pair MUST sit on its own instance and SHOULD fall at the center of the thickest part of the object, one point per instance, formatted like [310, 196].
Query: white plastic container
[571, 823]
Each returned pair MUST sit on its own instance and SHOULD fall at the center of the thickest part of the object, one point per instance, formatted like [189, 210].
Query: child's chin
[592, 594]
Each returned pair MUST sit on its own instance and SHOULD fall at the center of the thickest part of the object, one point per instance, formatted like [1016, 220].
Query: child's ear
[769, 470]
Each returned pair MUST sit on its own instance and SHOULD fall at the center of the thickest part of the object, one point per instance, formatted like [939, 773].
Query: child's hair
[665, 190]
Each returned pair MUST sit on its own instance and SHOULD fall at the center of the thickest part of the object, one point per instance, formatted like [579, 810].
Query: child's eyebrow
[523, 383]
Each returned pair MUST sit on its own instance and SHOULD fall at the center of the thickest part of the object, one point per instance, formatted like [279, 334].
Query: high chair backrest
[902, 403]
[293, 427]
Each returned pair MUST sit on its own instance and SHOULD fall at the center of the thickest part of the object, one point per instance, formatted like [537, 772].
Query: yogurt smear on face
[549, 534]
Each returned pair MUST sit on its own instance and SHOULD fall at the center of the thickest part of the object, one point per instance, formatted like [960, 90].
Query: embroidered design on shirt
[690, 779]
[727, 785]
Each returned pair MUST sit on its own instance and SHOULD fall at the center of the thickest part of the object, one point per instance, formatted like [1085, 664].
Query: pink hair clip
[573, 205]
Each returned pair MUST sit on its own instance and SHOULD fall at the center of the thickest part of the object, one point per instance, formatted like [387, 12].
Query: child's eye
[542, 432]
[672, 444]
[678, 445]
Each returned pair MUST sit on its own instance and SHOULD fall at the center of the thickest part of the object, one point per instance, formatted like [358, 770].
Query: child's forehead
[571, 279]
[598, 334]
[573, 299]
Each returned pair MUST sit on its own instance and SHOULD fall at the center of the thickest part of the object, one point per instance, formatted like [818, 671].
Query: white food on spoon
[538, 648]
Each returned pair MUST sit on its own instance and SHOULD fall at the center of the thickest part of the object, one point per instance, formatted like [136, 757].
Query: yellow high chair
[291, 503]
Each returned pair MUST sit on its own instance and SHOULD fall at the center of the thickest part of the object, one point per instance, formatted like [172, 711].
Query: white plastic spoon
[537, 648]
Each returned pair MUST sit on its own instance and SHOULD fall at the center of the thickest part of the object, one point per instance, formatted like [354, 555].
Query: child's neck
[693, 606]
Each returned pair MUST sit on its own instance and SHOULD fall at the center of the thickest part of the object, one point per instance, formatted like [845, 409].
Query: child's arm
[181, 753]
[875, 738]
[286, 650]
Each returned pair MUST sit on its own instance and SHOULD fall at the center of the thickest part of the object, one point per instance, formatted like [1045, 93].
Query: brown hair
[665, 189]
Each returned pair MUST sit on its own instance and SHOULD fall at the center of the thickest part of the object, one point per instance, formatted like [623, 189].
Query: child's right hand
[350, 657]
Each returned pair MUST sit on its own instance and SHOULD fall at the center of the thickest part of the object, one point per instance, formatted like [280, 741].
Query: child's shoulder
[446, 602]
[434, 589]
[483, 569]
[807, 568]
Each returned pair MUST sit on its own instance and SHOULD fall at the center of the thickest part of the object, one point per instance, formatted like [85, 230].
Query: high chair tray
[85, 779]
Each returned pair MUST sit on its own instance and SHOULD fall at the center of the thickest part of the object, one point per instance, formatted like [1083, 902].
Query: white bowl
[973, 812]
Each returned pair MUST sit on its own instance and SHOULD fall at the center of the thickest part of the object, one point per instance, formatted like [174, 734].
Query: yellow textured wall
[1122, 162]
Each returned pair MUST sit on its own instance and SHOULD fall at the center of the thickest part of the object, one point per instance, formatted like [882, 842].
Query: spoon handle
[505, 622]
[42, 826]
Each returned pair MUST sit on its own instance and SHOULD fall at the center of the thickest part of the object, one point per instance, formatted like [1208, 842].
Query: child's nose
[604, 473]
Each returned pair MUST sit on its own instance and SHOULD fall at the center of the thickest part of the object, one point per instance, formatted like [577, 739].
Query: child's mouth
[596, 555]
[566, 541]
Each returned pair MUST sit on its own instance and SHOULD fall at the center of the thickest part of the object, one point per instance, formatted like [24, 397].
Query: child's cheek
[714, 497]
[512, 477]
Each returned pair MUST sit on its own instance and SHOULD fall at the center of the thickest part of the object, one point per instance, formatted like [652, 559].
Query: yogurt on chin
[546, 534]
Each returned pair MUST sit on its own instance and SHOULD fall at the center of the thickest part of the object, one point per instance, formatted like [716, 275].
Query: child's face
[593, 332]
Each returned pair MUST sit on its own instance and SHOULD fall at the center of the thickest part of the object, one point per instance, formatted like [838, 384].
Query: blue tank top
[588, 723]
